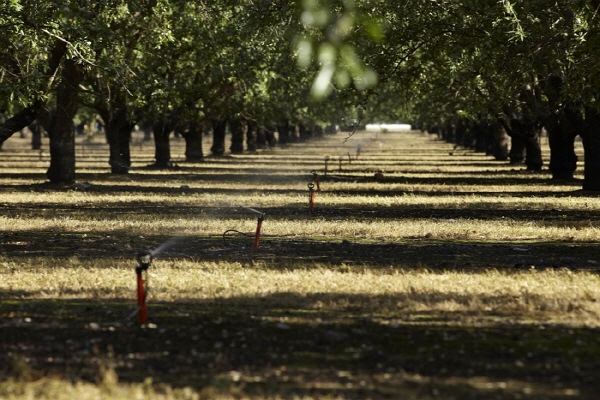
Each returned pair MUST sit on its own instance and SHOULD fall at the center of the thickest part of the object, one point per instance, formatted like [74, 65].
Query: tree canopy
[527, 64]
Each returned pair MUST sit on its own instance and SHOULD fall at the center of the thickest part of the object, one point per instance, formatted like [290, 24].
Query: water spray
[311, 197]
[316, 179]
[261, 218]
[358, 149]
[144, 259]
[326, 161]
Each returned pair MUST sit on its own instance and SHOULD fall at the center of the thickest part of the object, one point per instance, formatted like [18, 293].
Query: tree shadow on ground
[291, 253]
[291, 344]
[575, 218]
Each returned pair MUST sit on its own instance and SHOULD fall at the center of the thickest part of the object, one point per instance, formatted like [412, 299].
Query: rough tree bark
[62, 130]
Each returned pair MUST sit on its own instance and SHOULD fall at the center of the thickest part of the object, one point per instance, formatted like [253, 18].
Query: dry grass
[427, 198]
[549, 296]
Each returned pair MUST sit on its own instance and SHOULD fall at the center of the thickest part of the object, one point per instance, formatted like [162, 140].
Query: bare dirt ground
[248, 347]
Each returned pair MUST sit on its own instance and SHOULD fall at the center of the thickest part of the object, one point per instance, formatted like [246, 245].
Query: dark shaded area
[306, 350]
[397, 212]
[290, 253]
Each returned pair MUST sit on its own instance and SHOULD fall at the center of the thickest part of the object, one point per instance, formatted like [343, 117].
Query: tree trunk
[62, 132]
[193, 142]
[588, 127]
[261, 137]
[251, 135]
[499, 142]
[533, 152]
[283, 131]
[36, 136]
[591, 147]
[118, 129]
[480, 134]
[162, 147]
[318, 131]
[460, 133]
[524, 132]
[237, 135]
[270, 135]
[517, 150]
[563, 161]
[304, 132]
[218, 146]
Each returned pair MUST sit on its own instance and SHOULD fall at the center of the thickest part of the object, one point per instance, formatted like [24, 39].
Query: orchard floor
[435, 213]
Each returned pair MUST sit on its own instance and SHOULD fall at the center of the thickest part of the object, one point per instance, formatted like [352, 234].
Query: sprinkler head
[144, 258]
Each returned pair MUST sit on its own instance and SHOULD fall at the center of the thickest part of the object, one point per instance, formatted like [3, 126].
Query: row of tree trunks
[482, 135]
[524, 132]
[562, 128]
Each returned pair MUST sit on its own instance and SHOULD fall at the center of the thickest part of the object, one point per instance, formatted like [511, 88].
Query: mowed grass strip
[549, 296]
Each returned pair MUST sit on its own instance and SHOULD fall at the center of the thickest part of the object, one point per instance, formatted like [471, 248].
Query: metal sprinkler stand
[349, 158]
[261, 218]
[340, 166]
[144, 259]
[316, 178]
[258, 226]
[311, 197]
